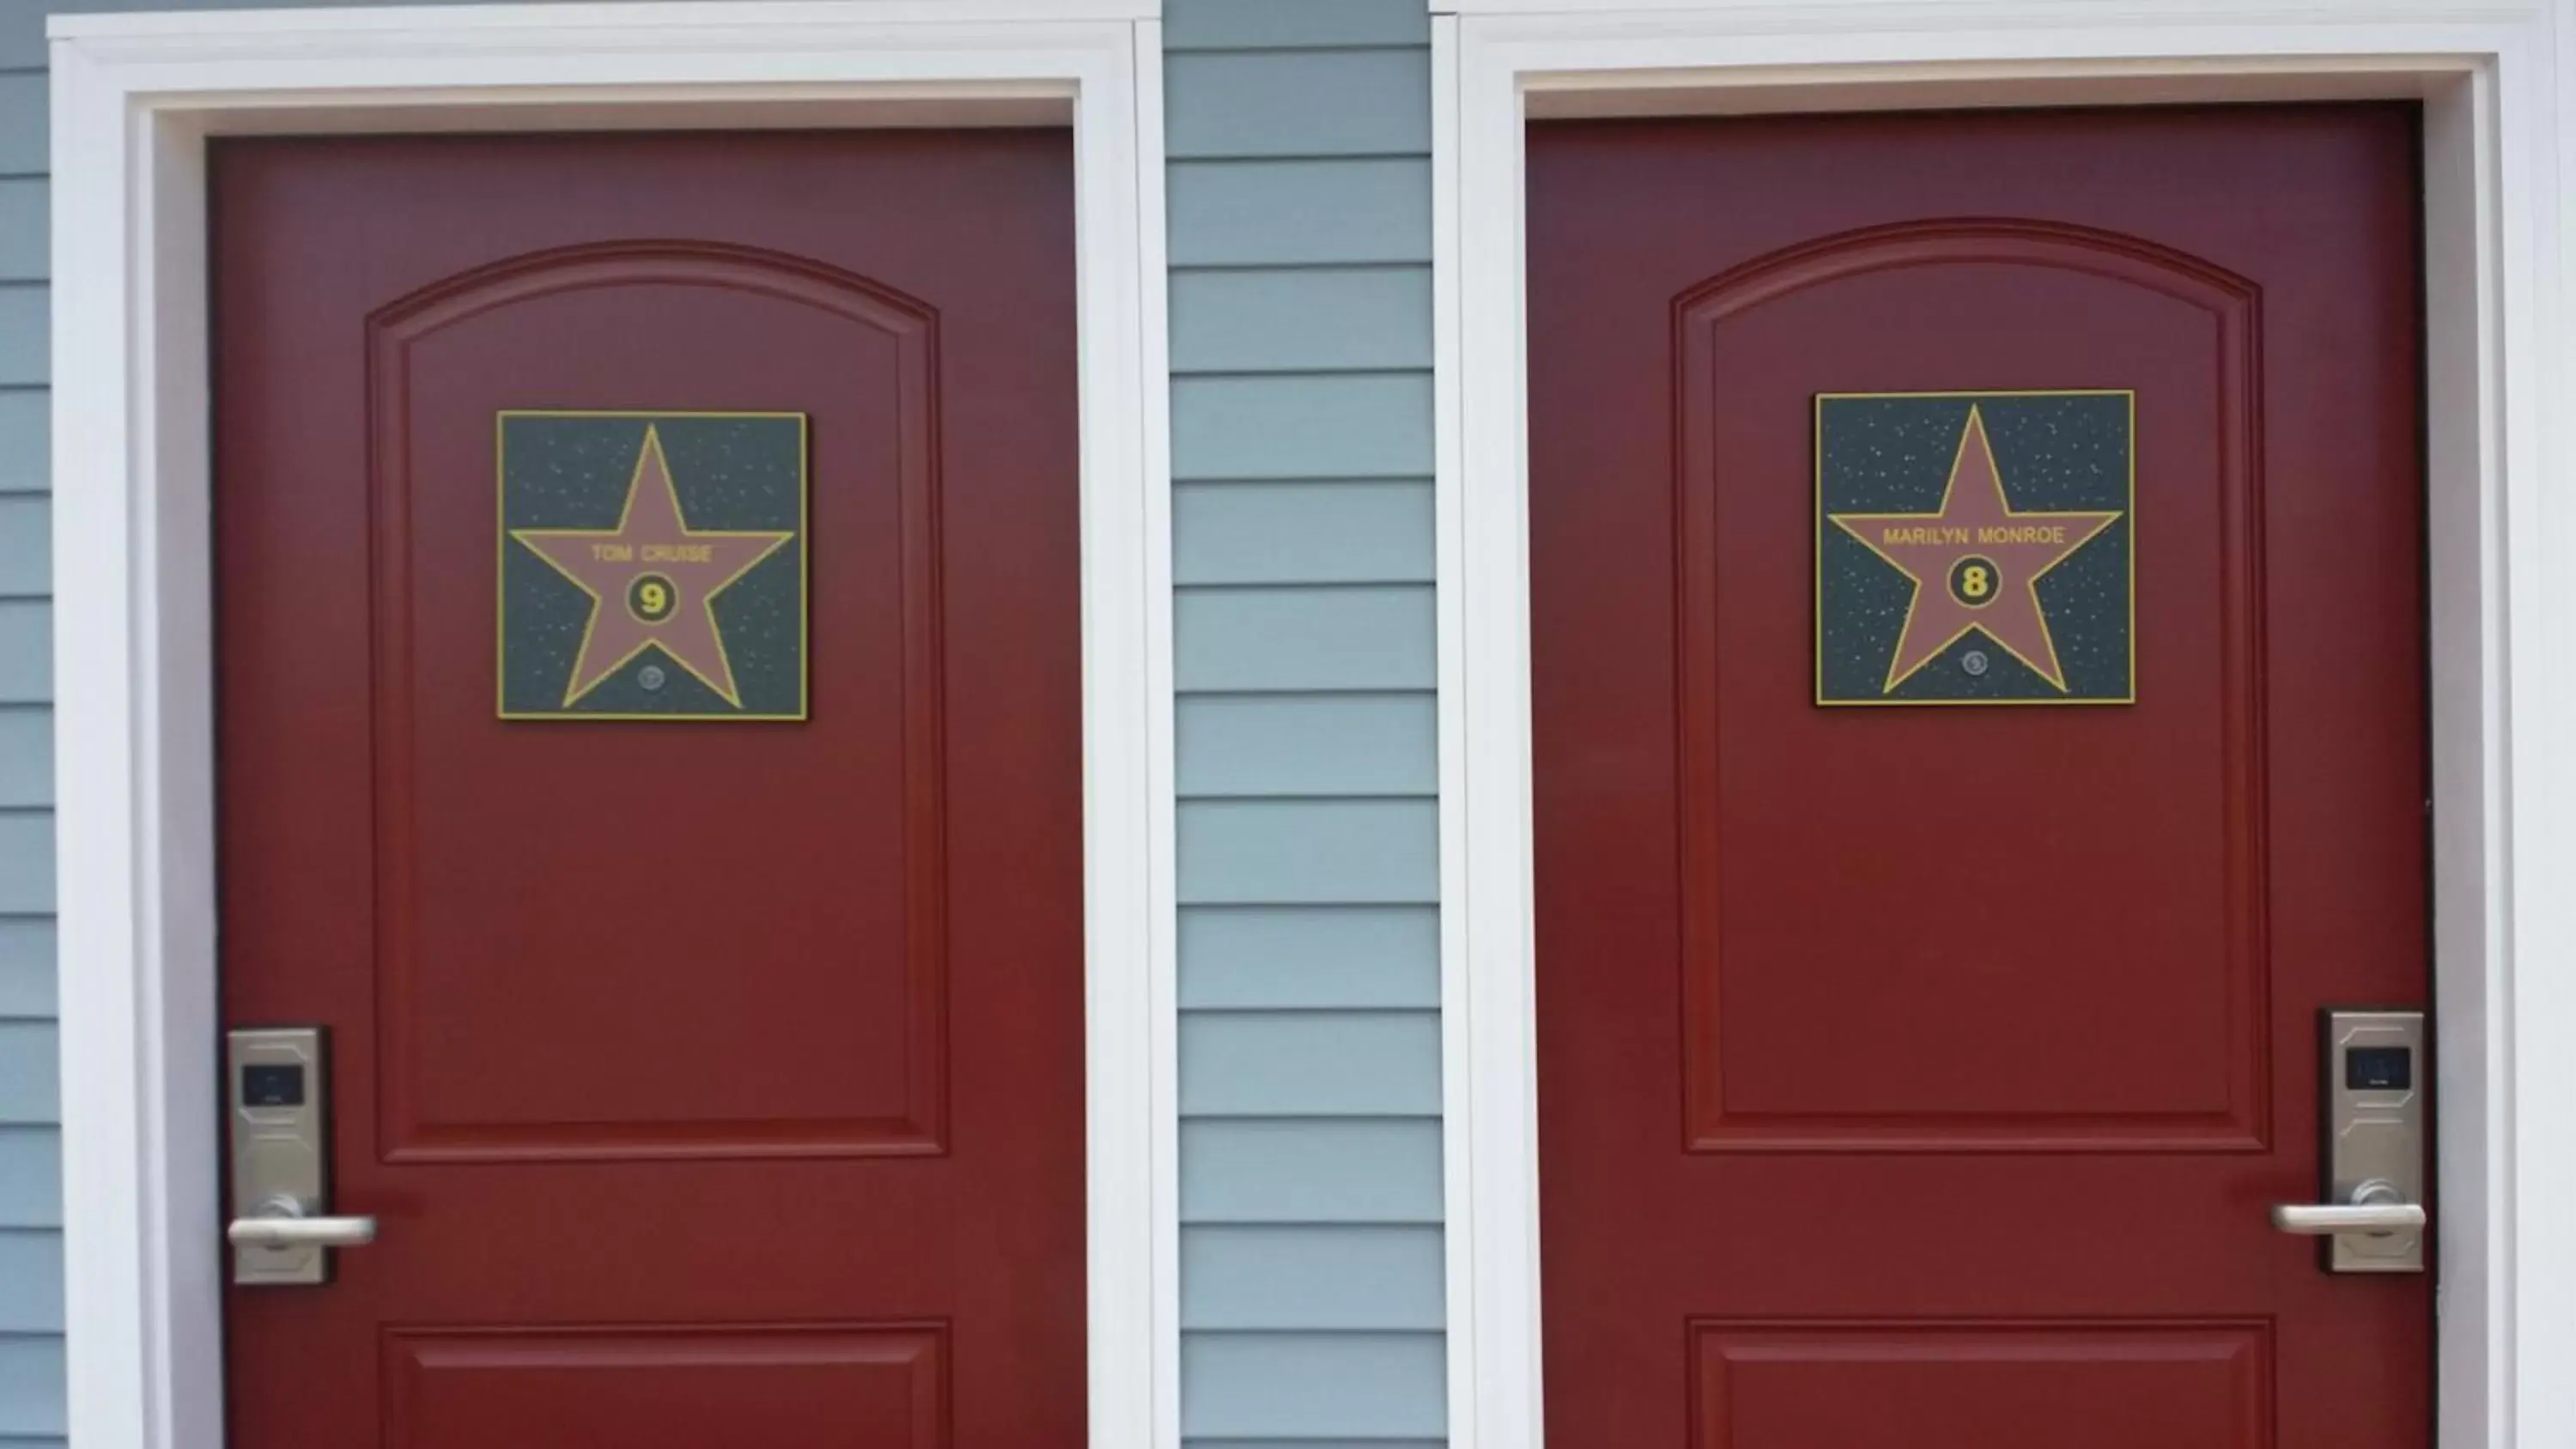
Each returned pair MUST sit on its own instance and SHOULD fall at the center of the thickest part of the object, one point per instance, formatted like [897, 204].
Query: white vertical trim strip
[1155, 419]
[2463, 553]
[1499, 1009]
[1457, 1042]
[133, 98]
[102, 732]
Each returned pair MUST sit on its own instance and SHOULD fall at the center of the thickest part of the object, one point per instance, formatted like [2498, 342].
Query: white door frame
[134, 97]
[2497, 136]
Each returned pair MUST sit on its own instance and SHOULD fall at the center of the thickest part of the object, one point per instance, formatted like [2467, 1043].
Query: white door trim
[2497, 137]
[134, 97]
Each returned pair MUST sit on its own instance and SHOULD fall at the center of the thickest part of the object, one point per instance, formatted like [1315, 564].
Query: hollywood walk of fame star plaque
[652, 566]
[1975, 548]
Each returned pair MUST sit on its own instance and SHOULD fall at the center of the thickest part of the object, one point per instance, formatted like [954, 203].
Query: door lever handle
[281, 1222]
[2376, 1207]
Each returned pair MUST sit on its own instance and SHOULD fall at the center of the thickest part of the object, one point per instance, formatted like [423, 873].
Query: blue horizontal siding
[31, 1179]
[1286, 744]
[31, 1262]
[26, 552]
[1306, 736]
[26, 966]
[1287, 321]
[1269, 533]
[1292, 24]
[1301, 639]
[1321, 103]
[30, 1075]
[1299, 213]
[1310, 957]
[24, 135]
[26, 325]
[24, 218]
[1328, 852]
[26, 652]
[26, 862]
[1312, 1385]
[1304, 1276]
[26, 457]
[31, 1384]
[26, 755]
[1310, 1064]
[1309, 1170]
[1362, 425]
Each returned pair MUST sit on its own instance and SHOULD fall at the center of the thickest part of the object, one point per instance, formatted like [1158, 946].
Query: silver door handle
[2376, 1207]
[281, 1223]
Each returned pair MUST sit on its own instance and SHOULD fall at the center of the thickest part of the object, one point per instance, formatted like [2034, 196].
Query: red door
[714, 1081]
[1920, 1078]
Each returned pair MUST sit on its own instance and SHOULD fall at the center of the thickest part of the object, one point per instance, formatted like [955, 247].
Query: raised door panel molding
[846, 1003]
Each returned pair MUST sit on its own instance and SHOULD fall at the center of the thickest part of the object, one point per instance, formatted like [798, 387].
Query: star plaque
[652, 566]
[1975, 548]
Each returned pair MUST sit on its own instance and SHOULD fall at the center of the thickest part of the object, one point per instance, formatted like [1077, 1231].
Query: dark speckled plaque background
[730, 471]
[1891, 453]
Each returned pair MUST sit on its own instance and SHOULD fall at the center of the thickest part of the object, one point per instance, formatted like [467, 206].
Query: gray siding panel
[26, 862]
[26, 328]
[31, 1178]
[1299, 213]
[26, 966]
[1310, 639]
[1310, 1170]
[1310, 1064]
[24, 134]
[1313, 1385]
[26, 652]
[31, 1280]
[1306, 737]
[1367, 425]
[1310, 957]
[30, 1070]
[1277, 321]
[1286, 744]
[24, 244]
[1272, 533]
[26, 538]
[26, 454]
[1271, 852]
[1274, 25]
[1291, 1277]
[26, 755]
[1322, 103]
[31, 1384]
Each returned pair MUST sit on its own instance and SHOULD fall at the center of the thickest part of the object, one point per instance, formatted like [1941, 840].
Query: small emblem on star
[1974, 548]
[652, 566]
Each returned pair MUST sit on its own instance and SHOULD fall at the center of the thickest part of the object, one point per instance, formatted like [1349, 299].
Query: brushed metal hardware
[2377, 1207]
[281, 1222]
[2371, 1094]
[278, 1085]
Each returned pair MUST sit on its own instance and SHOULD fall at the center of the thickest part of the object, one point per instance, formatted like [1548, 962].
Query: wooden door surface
[714, 1080]
[1920, 1077]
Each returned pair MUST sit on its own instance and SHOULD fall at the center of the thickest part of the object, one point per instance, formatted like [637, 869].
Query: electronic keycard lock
[277, 1088]
[2372, 1098]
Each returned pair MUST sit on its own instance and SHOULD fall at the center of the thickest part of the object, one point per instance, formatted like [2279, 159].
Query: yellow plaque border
[804, 568]
[2129, 515]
